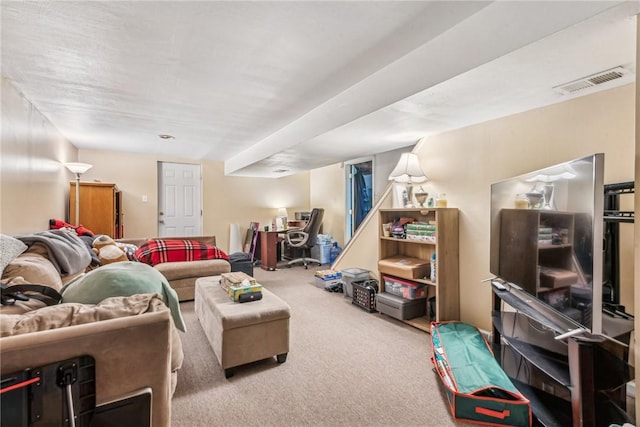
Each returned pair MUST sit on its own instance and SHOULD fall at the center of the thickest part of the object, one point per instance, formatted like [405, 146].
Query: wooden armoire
[100, 208]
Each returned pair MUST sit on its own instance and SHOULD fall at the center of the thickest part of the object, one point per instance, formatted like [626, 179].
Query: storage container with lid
[350, 275]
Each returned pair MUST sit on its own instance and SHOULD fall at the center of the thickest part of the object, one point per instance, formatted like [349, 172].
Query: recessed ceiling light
[165, 136]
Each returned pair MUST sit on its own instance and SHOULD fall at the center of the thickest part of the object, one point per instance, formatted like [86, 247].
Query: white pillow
[10, 248]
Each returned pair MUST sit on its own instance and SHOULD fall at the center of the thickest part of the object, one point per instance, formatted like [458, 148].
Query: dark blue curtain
[362, 204]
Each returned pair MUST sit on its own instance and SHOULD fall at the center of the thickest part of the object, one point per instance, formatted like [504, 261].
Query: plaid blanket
[155, 251]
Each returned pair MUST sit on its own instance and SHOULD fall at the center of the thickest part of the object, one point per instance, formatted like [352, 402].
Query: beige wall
[358, 252]
[34, 184]
[327, 190]
[464, 163]
[226, 200]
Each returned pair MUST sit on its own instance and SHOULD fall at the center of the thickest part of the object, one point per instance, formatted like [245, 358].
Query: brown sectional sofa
[132, 339]
[131, 353]
[182, 276]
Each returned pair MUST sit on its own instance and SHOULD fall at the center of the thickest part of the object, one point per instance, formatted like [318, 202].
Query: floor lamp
[78, 169]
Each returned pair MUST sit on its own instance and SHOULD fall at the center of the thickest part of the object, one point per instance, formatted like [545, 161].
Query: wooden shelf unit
[100, 208]
[446, 247]
[525, 255]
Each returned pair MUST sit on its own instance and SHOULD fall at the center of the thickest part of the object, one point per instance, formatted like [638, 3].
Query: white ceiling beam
[496, 30]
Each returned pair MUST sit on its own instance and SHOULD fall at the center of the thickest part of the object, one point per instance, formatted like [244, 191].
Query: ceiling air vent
[591, 81]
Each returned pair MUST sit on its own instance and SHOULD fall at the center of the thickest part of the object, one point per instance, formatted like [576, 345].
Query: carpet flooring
[346, 367]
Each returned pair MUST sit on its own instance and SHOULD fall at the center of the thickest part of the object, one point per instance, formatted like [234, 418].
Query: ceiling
[274, 88]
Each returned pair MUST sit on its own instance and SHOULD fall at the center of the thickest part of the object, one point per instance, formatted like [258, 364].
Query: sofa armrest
[130, 353]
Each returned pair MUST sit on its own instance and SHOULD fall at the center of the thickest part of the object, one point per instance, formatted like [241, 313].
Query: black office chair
[305, 239]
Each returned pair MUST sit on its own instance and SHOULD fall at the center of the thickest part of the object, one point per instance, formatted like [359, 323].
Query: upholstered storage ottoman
[241, 333]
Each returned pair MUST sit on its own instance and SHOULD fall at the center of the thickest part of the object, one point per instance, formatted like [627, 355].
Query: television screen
[546, 237]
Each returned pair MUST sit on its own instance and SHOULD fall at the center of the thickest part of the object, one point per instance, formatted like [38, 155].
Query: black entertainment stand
[577, 381]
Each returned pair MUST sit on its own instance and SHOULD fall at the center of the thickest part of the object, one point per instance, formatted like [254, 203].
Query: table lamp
[78, 169]
[549, 186]
[408, 172]
[282, 213]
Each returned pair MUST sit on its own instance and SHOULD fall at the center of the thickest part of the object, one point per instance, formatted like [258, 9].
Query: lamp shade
[554, 174]
[408, 170]
[282, 213]
[78, 168]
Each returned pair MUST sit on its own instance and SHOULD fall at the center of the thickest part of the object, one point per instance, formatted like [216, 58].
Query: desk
[296, 223]
[269, 241]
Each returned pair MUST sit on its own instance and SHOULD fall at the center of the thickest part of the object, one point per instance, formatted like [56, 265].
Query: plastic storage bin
[327, 278]
[364, 294]
[400, 308]
[404, 288]
[350, 275]
[325, 283]
[321, 252]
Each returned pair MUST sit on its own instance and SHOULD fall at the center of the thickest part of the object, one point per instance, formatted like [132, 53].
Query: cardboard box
[405, 267]
[557, 277]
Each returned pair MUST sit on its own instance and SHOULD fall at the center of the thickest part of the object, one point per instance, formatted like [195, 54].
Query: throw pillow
[10, 248]
[129, 249]
[156, 251]
[123, 279]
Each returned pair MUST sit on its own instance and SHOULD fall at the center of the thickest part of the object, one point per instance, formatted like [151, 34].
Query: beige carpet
[346, 367]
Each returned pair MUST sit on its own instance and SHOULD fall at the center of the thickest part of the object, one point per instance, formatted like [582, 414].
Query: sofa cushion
[34, 268]
[156, 251]
[69, 314]
[123, 279]
[10, 248]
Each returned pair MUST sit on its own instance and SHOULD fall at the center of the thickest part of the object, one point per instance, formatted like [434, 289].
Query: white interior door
[179, 199]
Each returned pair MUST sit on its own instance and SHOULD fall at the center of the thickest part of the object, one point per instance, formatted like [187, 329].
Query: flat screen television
[546, 238]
